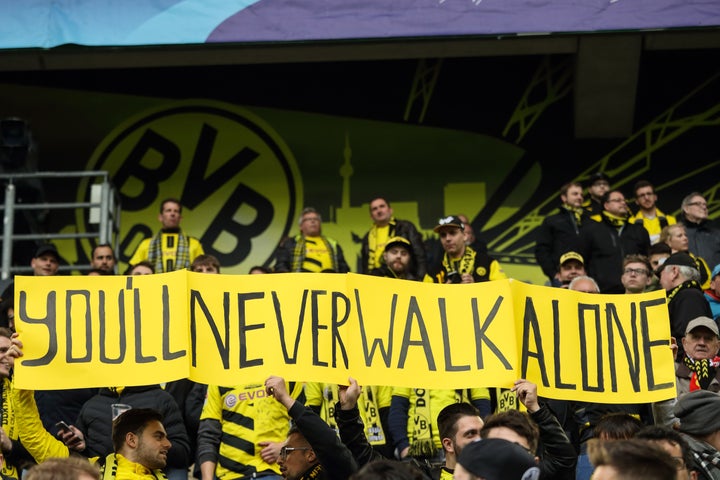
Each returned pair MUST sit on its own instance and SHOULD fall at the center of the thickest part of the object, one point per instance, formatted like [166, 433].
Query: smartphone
[62, 426]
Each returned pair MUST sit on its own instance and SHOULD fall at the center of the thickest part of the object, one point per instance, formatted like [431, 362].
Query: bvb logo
[238, 182]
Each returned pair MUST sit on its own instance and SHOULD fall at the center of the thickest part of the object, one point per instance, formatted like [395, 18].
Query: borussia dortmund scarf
[703, 371]
[166, 241]
[577, 213]
[368, 410]
[464, 264]
[683, 286]
[313, 473]
[614, 220]
[377, 237]
[422, 442]
[111, 463]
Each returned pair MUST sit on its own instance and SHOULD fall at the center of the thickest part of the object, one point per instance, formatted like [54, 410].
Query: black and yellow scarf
[614, 220]
[464, 264]
[703, 371]
[577, 213]
[166, 240]
[683, 286]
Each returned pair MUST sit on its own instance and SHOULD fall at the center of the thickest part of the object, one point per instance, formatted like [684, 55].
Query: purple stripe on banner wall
[287, 20]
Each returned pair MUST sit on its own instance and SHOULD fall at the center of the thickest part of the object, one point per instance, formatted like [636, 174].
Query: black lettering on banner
[385, 353]
[167, 354]
[449, 367]
[316, 327]
[84, 295]
[122, 340]
[556, 349]
[150, 141]
[223, 347]
[50, 321]
[530, 320]
[336, 339]
[481, 337]
[648, 344]
[243, 234]
[414, 312]
[245, 327]
[633, 362]
[139, 357]
[582, 308]
[281, 326]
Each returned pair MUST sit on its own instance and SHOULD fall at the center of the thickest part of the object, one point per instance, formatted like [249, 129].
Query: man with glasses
[703, 235]
[598, 185]
[649, 216]
[609, 239]
[637, 274]
[312, 449]
[310, 251]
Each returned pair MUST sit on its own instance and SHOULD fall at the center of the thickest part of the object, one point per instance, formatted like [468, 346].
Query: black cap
[597, 176]
[451, 221]
[45, 249]
[398, 241]
[680, 259]
[498, 459]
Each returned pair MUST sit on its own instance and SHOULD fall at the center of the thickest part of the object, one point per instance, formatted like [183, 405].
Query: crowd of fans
[279, 429]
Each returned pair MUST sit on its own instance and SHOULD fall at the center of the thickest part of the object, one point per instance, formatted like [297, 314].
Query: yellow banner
[231, 329]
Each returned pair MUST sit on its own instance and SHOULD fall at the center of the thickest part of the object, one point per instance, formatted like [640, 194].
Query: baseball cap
[45, 249]
[706, 322]
[451, 221]
[401, 241]
[680, 259]
[596, 177]
[498, 459]
[715, 272]
[571, 256]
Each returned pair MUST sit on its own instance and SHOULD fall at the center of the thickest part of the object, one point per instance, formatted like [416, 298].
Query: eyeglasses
[636, 271]
[617, 200]
[698, 204]
[285, 450]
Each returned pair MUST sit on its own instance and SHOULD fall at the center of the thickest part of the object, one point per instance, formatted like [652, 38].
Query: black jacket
[558, 456]
[605, 249]
[95, 421]
[336, 460]
[557, 235]
[399, 228]
[285, 256]
[703, 240]
[687, 304]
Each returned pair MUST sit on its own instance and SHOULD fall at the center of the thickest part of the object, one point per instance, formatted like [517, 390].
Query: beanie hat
[698, 412]
[498, 459]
